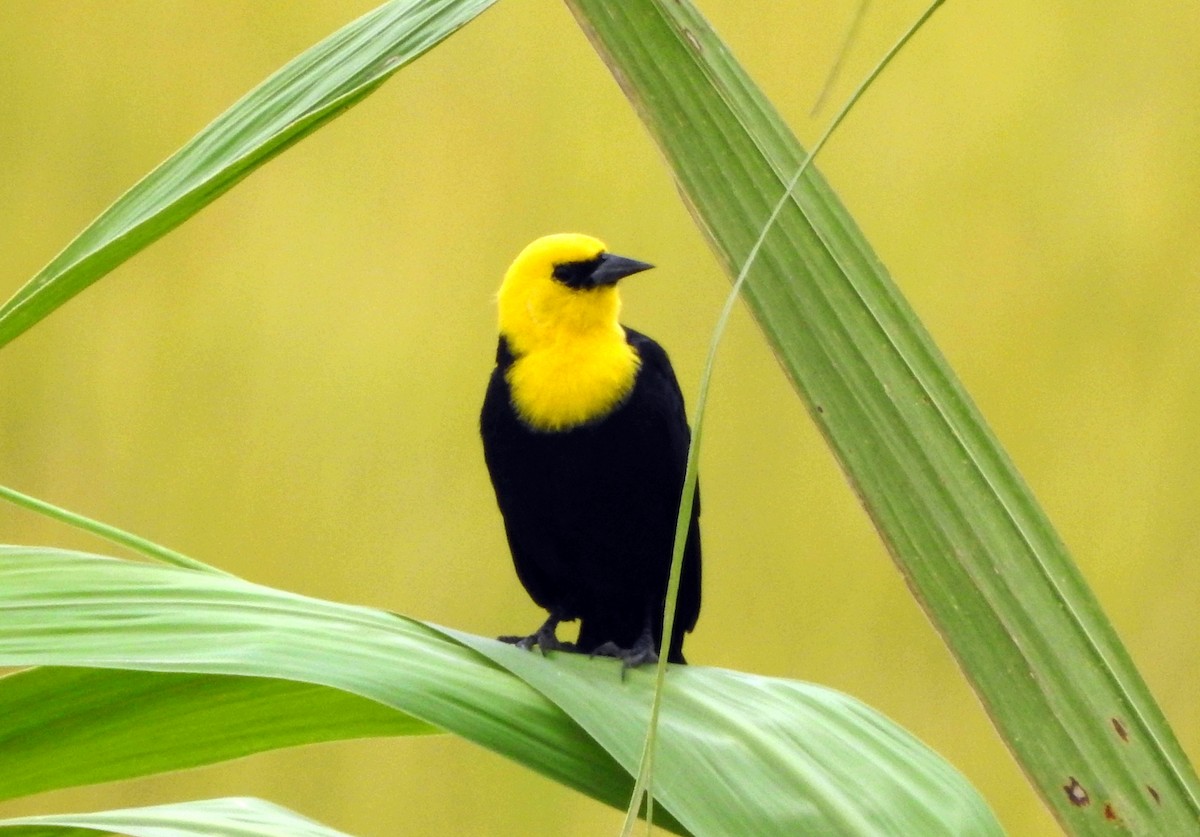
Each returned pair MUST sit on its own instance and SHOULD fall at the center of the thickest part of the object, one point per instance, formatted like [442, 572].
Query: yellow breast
[573, 381]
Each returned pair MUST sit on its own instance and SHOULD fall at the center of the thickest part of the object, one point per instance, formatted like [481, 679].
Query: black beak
[613, 268]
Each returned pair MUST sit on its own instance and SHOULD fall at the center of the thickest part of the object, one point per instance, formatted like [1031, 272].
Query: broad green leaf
[111, 724]
[741, 754]
[978, 552]
[61, 608]
[244, 817]
[799, 758]
[309, 91]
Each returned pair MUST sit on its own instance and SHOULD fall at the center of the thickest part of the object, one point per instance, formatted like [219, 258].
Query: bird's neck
[534, 318]
[578, 378]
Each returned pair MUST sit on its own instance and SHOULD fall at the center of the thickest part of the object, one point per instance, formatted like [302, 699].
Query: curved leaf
[230, 817]
[112, 724]
[309, 91]
[807, 759]
[70, 609]
[740, 754]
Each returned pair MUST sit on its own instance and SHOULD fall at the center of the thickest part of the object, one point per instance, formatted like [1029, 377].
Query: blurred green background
[288, 385]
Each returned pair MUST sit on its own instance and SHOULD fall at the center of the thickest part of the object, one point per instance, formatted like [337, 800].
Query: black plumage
[590, 512]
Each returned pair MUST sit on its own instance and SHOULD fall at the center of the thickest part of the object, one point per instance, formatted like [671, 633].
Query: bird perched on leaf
[585, 438]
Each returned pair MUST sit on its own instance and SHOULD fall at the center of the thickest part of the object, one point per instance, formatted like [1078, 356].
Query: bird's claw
[544, 638]
[641, 653]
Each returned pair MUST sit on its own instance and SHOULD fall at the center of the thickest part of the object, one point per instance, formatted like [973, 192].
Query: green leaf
[978, 552]
[114, 724]
[244, 817]
[62, 608]
[311, 90]
[795, 758]
[740, 754]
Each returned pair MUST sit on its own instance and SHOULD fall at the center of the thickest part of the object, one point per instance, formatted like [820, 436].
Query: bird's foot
[544, 638]
[639, 654]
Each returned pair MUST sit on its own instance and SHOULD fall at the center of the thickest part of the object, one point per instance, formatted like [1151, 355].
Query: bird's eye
[576, 274]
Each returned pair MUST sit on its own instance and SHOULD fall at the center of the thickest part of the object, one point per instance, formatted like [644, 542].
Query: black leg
[641, 652]
[544, 637]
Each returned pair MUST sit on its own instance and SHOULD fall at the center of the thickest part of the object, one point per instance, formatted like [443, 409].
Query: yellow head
[559, 287]
[559, 312]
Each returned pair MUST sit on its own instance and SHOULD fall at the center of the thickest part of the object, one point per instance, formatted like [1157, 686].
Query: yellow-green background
[288, 385]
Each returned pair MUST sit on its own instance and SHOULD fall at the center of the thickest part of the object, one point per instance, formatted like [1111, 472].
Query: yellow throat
[571, 364]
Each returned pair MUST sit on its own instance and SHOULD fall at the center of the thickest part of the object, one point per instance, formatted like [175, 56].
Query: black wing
[658, 377]
[510, 451]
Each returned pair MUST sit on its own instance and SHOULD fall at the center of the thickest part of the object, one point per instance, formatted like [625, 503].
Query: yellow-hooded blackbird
[585, 437]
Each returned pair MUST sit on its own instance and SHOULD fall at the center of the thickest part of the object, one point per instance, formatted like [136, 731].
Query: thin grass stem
[103, 530]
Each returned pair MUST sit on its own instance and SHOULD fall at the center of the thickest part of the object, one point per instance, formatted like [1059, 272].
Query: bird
[585, 438]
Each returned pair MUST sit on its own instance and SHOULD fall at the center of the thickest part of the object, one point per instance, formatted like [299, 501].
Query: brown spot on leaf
[1154, 794]
[1109, 812]
[1076, 795]
[1120, 728]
